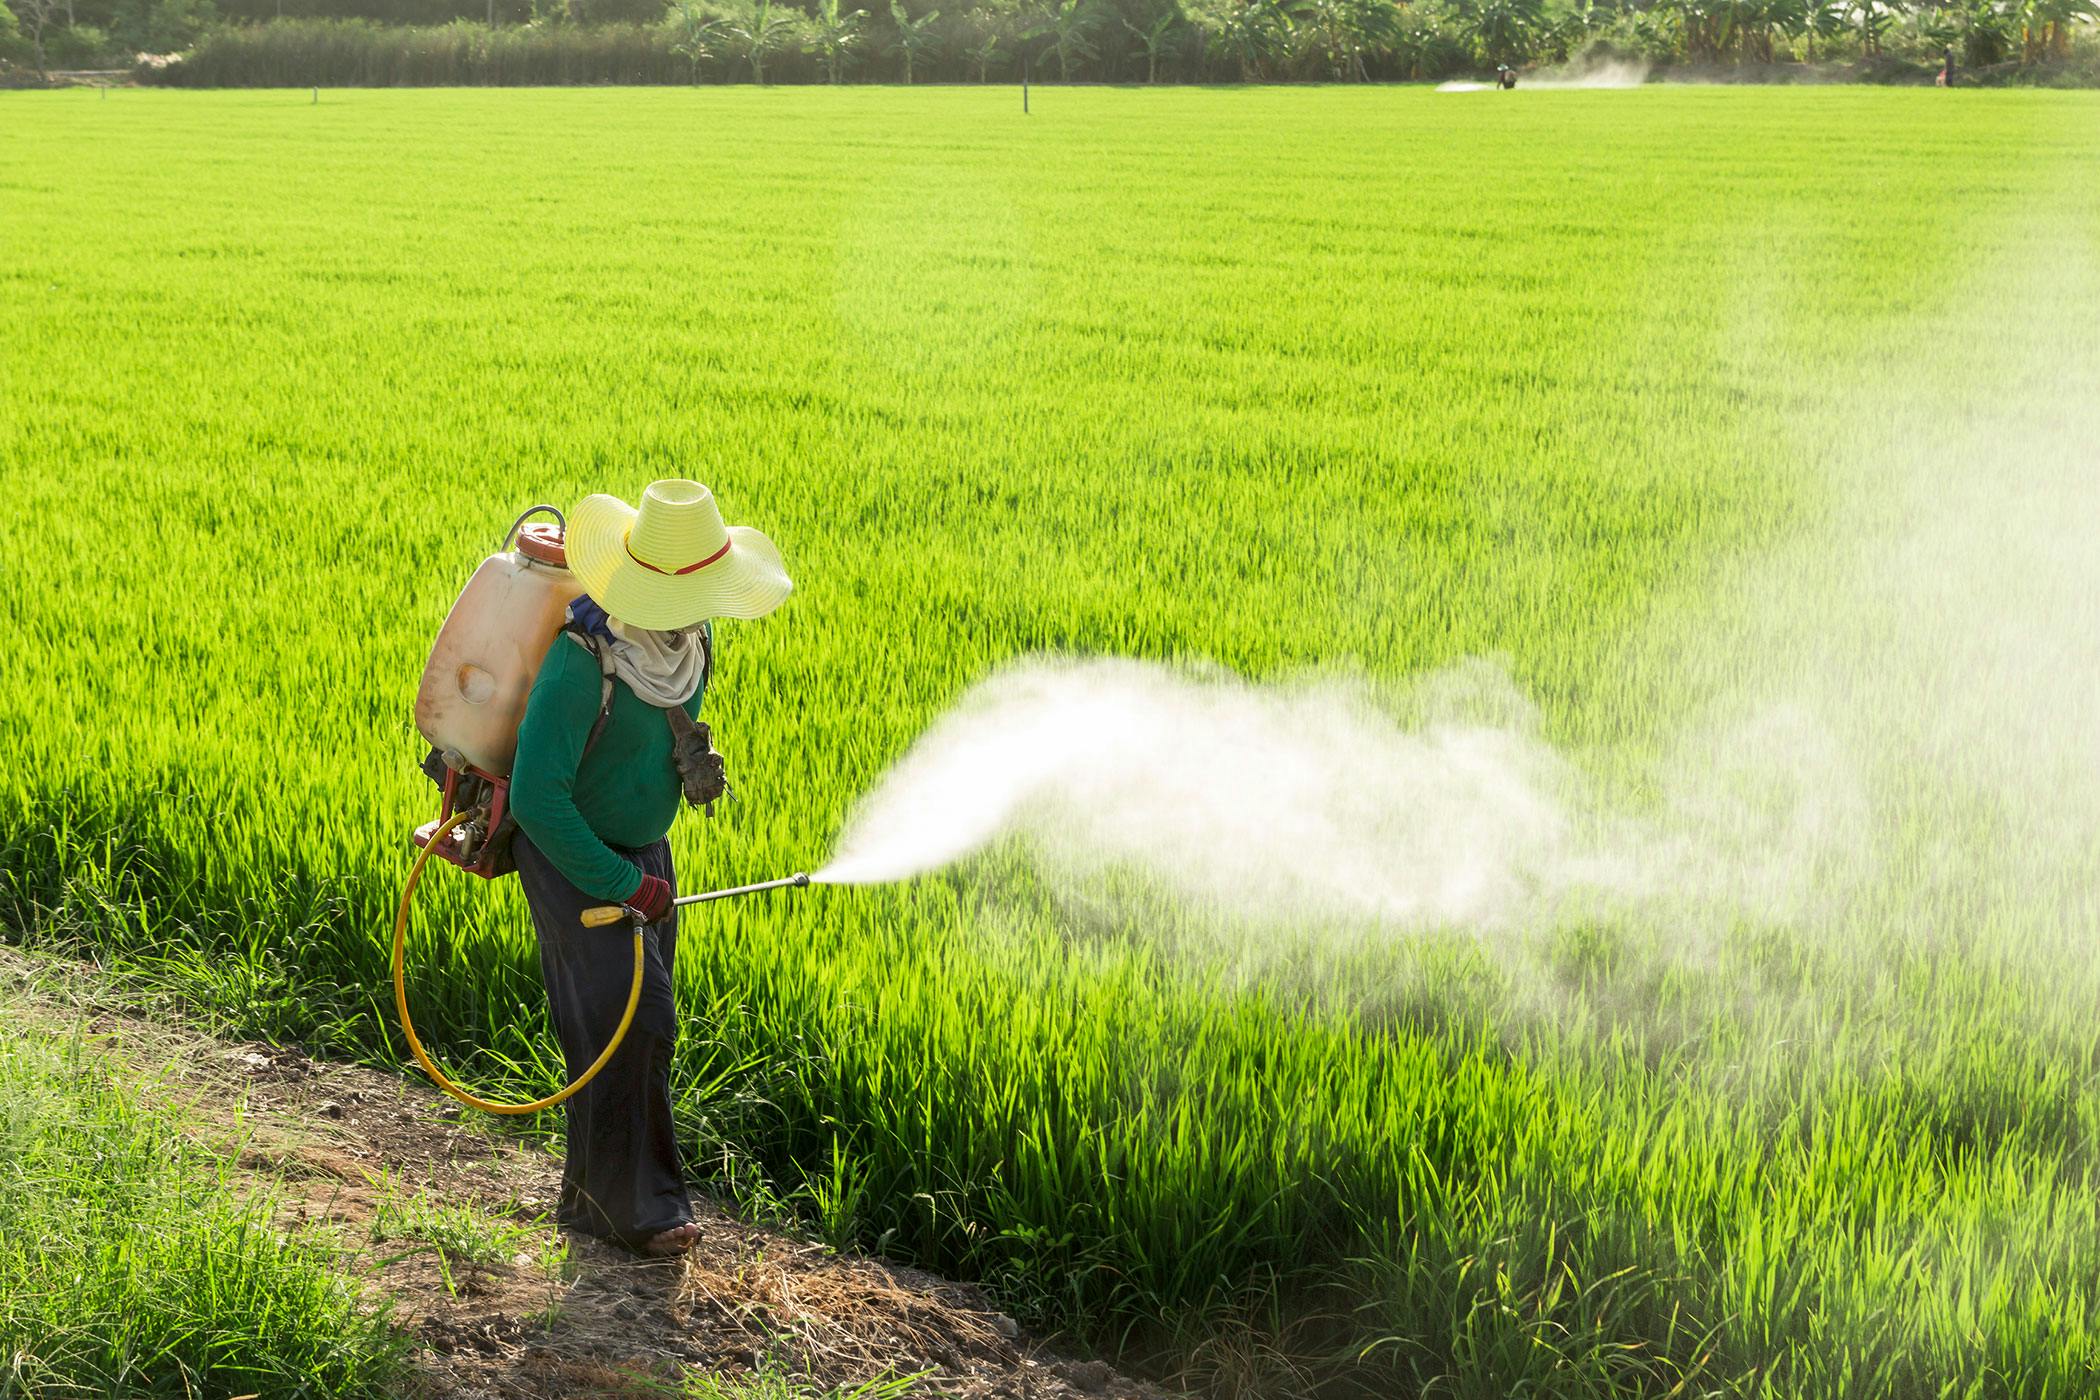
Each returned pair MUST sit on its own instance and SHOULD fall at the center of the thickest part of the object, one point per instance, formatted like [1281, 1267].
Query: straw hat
[672, 563]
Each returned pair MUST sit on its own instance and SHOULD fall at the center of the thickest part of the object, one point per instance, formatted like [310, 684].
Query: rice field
[1670, 408]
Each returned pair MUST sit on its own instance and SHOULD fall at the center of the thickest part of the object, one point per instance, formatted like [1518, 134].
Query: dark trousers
[621, 1181]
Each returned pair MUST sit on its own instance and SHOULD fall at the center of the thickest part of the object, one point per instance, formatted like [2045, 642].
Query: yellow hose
[408, 893]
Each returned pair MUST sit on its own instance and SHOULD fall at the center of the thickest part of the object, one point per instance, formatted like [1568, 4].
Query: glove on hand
[585, 613]
[653, 900]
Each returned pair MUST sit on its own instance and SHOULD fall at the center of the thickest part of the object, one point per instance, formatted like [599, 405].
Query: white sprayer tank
[481, 668]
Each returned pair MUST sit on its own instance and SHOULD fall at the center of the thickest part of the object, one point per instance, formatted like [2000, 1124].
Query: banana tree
[1567, 33]
[696, 36]
[762, 30]
[835, 37]
[1069, 25]
[1250, 33]
[1756, 21]
[984, 32]
[1156, 35]
[1344, 30]
[1714, 29]
[1872, 18]
[1416, 38]
[1821, 19]
[1985, 32]
[1502, 28]
[917, 40]
[2045, 27]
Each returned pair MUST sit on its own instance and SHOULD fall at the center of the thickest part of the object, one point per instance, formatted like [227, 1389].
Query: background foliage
[394, 42]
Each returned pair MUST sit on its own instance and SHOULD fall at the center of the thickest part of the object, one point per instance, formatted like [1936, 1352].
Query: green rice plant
[1651, 395]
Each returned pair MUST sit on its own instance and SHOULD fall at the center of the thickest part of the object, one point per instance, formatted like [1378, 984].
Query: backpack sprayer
[468, 705]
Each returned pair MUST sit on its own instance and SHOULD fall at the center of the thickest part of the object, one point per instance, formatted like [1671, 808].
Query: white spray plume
[1222, 788]
[1314, 799]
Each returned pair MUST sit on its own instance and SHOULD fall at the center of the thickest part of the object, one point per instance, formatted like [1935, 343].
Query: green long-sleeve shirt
[625, 792]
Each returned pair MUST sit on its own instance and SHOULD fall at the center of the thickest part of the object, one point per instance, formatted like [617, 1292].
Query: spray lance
[468, 705]
[612, 913]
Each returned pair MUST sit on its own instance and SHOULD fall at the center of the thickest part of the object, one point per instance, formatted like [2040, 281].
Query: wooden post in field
[1024, 82]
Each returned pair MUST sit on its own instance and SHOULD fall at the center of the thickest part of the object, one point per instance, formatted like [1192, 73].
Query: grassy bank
[129, 1267]
[1646, 395]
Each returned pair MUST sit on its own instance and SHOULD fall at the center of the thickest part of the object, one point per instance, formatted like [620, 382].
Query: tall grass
[1361, 381]
[128, 1266]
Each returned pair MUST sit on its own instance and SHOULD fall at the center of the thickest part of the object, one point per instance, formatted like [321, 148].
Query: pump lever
[605, 914]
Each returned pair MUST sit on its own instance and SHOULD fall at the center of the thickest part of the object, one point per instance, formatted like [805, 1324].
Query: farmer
[1946, 74]
[1505, 77]
[593, 800]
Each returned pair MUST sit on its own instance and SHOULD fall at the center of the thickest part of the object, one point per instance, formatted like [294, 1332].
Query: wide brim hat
[672, 563]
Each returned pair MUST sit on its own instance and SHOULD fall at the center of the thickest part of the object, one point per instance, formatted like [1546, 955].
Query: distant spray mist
[1288, 797]
[1584, 76]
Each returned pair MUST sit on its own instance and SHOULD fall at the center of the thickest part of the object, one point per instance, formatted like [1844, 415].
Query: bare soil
[521, 1312]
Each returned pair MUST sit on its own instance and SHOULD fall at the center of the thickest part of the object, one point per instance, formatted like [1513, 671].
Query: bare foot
[667, 1244]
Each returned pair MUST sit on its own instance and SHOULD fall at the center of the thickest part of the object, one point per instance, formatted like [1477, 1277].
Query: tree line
[297, 42]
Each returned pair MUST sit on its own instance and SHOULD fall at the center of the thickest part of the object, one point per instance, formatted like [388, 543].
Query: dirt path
[449, 1219]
